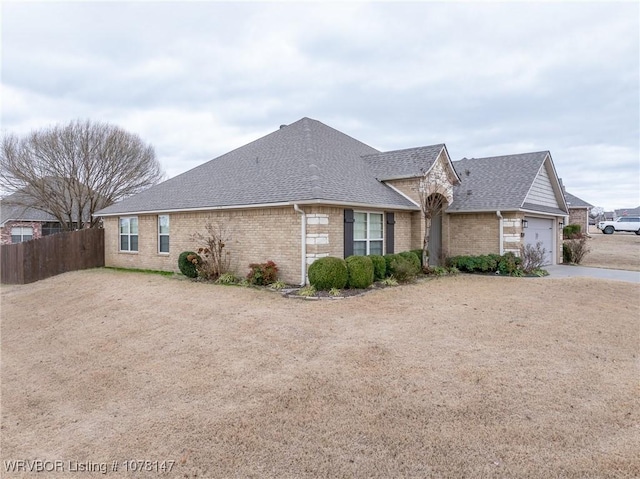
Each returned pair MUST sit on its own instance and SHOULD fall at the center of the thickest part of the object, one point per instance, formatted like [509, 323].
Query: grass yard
[468, 376]
[616, 251]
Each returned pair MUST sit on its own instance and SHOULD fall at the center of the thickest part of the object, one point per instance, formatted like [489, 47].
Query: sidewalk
[569, 271]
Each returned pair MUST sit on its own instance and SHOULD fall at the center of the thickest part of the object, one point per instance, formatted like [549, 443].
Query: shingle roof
[495, 183]
[628, 211]
[13, 207]
[407, 163]
[304, 161]
[575, 202]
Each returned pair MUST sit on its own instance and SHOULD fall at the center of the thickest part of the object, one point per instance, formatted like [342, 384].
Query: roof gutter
[501, 232]
[303, 244]
[259, 205]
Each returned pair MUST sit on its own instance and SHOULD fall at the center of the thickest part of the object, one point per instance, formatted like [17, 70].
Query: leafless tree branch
[73, 170]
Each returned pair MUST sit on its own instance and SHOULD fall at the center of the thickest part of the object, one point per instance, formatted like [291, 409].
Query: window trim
[128, 234]
[22, 235]
[168, 235]
[368, 240]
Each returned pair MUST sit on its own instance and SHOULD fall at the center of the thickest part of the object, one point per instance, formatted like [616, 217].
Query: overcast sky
[197, 79]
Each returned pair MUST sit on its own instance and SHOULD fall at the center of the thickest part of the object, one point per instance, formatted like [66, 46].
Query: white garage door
[540, 229]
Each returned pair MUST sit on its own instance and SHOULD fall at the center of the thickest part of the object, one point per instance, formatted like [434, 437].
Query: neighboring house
[578, 210]
[307, 191]
[627, 212]
[20, 223]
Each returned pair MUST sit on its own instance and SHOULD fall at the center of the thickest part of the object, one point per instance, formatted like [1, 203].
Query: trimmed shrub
[327, 273]
[263, 273]
[188, 262]
[413, 258]
[403, 269]
[418, 253]
[360, 272]
[379, 267]
[571, 231]
[388, 258]
[509, 264]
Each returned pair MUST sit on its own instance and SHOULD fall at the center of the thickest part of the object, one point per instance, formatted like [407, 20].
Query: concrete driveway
[570, 271]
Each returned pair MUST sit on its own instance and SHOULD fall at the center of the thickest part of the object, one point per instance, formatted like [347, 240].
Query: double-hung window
[129, 234]
[367, 233]
[21, 233]
[163, 233]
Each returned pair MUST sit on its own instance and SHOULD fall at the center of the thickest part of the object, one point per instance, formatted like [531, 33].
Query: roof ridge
[309, 158]
[505, 156]
[404, 149]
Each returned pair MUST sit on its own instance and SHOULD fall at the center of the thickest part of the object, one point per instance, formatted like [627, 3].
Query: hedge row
[360, 272]
[507, 264]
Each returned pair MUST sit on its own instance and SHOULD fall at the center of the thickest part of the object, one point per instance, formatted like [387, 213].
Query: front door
[435, 240]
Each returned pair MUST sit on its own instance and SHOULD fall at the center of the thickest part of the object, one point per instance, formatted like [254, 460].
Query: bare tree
[71, 171]
[435, 194]
[597, 212]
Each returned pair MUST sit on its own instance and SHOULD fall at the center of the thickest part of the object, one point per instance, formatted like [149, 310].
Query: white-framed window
[367, 233]
[163, 233]
[129, 233]
[21, 233]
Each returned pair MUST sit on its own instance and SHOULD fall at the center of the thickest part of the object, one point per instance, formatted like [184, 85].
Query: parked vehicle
[624, 223]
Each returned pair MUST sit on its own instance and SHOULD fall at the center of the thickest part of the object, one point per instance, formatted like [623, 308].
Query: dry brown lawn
[616, 251]
[454, 377]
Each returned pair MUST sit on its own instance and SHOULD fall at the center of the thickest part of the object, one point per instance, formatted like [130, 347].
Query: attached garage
[540, 230]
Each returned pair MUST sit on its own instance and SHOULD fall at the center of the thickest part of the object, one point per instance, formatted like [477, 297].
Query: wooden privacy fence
[34, 260]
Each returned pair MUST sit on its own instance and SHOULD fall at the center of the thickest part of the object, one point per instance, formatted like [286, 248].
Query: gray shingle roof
[13, 207]
[575, 202]
[407, 163]
[304, 161]
[495, 183]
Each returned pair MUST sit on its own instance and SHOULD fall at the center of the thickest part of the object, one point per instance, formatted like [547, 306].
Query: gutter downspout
[303, 244]
[501, 237]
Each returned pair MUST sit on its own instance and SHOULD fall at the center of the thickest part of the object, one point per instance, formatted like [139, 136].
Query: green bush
[571, 231]
[418, 253]
[508, 264]
[379, 267]
[188, 262]
[388, 258]
[360, 272]
[329, 272]
[263, 273]
[413, 258]
[403, 269]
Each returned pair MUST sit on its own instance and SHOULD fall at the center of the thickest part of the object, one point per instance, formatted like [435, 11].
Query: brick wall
[254, 236]
[579, 216]
[471, 234]
[5, 231]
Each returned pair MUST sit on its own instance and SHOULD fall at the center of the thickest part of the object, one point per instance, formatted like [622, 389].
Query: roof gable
[503, 183]
[400, 164]
[304, 161]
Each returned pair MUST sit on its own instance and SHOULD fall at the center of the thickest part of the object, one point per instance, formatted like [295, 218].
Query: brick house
[307, 191]
[578, 210]
[20, 223]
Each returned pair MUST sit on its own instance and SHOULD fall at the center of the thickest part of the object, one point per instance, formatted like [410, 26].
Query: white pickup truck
[624, 223]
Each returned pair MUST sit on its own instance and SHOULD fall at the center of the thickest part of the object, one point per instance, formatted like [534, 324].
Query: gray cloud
[197, 79]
